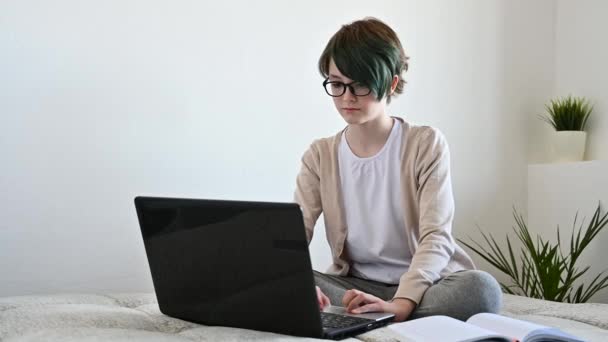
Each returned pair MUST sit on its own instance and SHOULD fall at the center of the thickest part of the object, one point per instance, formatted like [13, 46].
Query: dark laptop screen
[243, 264]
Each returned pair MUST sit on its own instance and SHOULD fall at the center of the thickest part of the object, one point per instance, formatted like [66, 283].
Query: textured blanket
[136, 317]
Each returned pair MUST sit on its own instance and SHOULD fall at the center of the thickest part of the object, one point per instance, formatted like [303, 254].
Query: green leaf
[544, 271]
[567, 114]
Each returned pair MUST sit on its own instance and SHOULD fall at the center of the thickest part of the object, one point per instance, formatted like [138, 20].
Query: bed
[136, 317]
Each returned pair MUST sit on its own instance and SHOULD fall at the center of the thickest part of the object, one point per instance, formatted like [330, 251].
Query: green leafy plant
[568, 114]
[543, 270]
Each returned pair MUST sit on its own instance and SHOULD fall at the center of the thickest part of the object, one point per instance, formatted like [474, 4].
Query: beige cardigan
[428, 206]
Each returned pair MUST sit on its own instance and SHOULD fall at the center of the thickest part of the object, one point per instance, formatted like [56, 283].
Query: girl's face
[355, 109]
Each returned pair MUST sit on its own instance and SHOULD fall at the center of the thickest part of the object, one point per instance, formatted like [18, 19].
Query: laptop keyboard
[333, 321]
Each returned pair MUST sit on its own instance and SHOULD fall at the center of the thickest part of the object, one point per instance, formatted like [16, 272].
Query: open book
[480, 327]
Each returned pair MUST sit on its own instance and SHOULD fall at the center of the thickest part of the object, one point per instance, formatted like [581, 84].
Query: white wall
[103, 101]
[581, 53]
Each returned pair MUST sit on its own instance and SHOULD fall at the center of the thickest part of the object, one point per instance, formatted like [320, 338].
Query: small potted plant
[568, 116]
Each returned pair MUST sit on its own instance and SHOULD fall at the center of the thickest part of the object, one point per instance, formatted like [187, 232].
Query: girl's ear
[394, 84]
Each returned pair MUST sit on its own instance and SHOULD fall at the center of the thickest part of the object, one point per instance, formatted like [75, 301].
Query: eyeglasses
[337, 89]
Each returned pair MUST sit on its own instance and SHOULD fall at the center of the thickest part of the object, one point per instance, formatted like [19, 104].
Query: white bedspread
[136, 317]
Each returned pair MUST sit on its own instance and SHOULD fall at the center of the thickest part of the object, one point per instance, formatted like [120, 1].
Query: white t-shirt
[376, 240]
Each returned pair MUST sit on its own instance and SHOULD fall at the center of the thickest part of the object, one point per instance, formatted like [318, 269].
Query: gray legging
[459, 295]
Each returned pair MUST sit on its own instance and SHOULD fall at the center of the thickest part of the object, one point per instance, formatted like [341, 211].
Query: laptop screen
[231, 263]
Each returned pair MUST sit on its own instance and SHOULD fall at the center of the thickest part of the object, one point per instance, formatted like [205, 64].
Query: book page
[521, 330]
[550, 334]
[505, 325]
[442, 329]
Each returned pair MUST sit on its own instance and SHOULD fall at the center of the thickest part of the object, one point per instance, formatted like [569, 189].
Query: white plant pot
[568, 146]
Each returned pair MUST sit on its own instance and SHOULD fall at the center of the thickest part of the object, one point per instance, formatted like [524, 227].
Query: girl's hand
[357, 302]
[322, 298]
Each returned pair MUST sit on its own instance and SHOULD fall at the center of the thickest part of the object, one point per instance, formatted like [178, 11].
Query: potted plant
[568, 116]
[542, 269]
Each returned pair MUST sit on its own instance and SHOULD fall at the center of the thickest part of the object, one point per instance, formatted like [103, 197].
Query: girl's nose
[348, 95]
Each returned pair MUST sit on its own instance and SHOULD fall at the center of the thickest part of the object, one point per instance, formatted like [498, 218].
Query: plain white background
[101, 101]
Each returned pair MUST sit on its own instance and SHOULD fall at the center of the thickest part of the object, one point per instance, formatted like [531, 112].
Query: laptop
[239, 264]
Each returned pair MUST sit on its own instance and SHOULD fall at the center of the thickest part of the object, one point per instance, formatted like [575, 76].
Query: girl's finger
[348, 296]
[355, 302]
[373, 307]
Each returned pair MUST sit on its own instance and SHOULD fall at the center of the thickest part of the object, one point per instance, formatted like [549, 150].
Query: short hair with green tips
[367, 51]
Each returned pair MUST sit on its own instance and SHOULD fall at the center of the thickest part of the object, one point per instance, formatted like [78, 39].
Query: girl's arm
[436, 210]
[308, 190]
